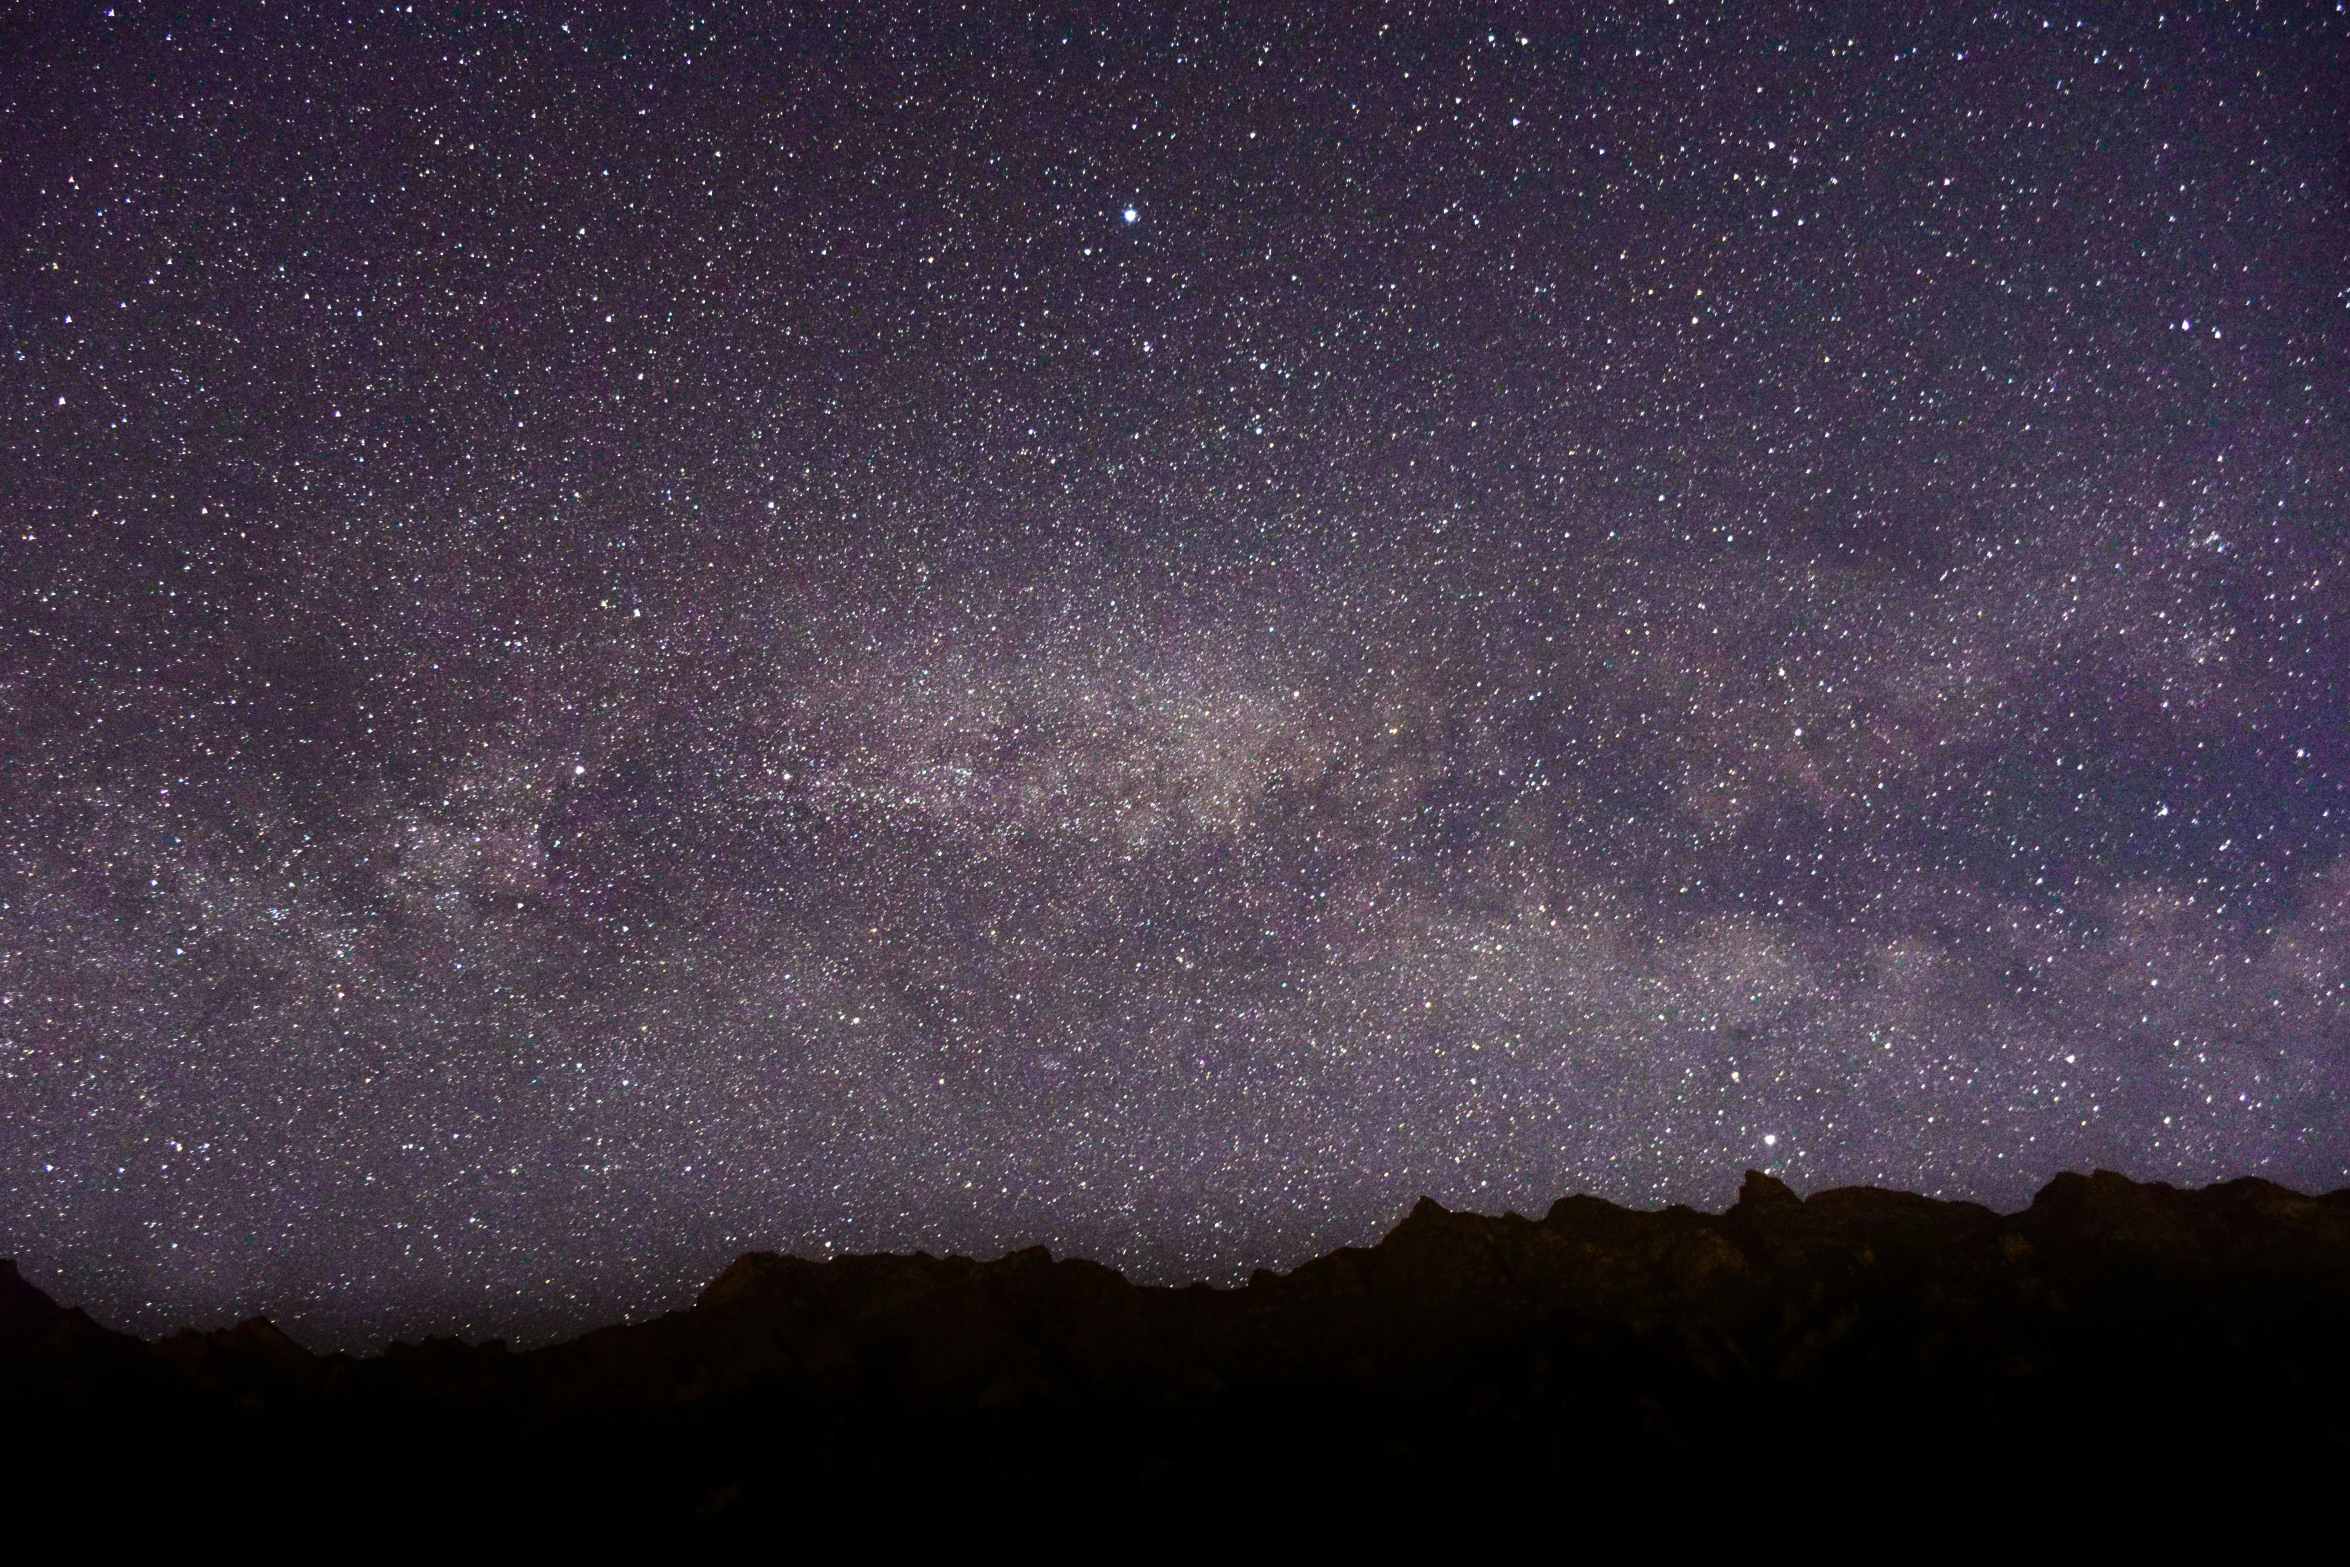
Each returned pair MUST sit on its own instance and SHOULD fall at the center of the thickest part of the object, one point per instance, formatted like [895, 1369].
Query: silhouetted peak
[1428, 1217]
[1762, 1194]
[748, 1275]
[22, 1307]
[259, 1335]
[2109, 1210]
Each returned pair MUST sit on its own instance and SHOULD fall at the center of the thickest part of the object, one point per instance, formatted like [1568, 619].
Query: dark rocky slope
[2113, 1334]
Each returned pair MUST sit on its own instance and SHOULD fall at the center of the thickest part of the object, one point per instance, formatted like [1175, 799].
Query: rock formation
[2113, 1333]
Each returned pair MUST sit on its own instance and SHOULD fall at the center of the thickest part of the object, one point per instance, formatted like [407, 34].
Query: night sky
[628, 638]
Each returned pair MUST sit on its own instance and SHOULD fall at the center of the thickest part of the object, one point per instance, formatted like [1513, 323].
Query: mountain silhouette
[2111, 1337]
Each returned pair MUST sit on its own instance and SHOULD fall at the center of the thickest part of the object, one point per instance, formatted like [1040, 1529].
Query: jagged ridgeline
[2125, 1334]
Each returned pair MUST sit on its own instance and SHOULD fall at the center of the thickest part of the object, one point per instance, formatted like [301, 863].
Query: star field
[1147, 629]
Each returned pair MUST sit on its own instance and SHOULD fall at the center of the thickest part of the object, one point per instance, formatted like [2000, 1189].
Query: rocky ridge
[1595, 1351]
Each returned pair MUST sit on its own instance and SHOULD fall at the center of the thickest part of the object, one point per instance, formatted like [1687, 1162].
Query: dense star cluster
[1145, 629]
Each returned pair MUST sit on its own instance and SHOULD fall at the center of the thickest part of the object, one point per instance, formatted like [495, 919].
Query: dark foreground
[1865, 1349]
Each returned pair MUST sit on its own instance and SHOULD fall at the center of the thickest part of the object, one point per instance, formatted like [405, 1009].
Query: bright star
[1131, 216]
